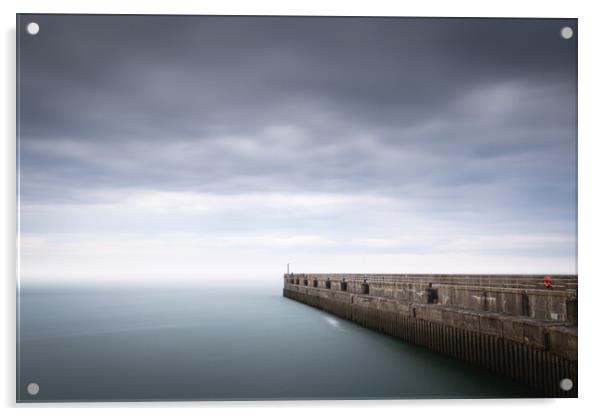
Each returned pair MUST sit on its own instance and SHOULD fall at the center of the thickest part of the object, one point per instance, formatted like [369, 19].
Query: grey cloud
[213, 69]
[464, 119]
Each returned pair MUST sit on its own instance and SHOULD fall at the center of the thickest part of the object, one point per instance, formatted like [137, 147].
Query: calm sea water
[202, 344]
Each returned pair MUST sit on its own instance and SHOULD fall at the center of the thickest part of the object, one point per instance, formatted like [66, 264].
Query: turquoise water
[131, 344]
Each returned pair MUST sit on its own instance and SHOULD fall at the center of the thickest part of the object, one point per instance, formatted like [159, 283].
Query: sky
[215, 150]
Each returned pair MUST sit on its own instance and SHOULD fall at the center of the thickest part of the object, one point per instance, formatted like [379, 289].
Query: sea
[171, 344]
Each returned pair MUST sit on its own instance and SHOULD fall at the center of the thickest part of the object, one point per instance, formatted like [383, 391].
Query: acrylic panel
[289, 207]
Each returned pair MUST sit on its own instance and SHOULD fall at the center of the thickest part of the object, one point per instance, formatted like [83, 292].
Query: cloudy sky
[188, 149]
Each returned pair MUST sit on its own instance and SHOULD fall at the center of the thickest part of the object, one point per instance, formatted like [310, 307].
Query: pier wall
[511, 325]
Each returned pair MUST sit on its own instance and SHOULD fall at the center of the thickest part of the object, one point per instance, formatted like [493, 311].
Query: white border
[590, 207]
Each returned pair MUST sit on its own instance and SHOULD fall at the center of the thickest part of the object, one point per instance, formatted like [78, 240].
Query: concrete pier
[521, 326]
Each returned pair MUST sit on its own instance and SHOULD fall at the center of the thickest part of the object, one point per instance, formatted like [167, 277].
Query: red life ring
[547, 281]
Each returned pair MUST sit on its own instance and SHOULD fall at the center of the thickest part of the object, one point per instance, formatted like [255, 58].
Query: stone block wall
[523, 295]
